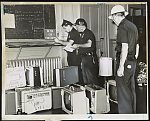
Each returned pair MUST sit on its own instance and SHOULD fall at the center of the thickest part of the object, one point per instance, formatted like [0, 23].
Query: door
[96, 16]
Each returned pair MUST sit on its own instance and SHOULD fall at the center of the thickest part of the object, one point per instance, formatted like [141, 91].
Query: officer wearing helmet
[127, 50]
[87, 49]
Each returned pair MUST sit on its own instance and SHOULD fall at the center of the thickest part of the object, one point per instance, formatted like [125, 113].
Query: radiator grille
[47, 65]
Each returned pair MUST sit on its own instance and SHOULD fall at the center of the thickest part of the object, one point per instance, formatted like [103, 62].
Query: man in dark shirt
[127, 52]
[87, 49]
[73, 58]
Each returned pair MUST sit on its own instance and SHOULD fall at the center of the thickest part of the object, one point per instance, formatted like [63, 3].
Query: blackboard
[31, 21]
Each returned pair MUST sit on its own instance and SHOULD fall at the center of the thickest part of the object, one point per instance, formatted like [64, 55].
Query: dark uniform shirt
[127, 33]
[85, 36]
[73, 58]
[74, 35]
[89, 58]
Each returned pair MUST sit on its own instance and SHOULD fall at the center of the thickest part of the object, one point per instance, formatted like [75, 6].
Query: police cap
[81, 22]
[65, 23]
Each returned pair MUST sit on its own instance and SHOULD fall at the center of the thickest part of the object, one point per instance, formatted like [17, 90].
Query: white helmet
[118, 9]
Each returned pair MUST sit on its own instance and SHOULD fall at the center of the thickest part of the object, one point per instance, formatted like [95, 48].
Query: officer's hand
[56, 40]
[75, 46]
[120, 71]
[136, 56]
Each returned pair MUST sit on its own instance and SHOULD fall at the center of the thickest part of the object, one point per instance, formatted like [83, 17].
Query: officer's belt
[86, 54]
[129, 57]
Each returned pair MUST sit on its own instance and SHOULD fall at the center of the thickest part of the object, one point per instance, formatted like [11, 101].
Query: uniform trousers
[126, 88]
[89, 70]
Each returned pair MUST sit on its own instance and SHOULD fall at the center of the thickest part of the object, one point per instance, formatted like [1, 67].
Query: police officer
[73, 58]
[87, 49]
[127, 52]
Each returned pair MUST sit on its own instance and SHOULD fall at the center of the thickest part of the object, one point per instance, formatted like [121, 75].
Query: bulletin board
[31, 21]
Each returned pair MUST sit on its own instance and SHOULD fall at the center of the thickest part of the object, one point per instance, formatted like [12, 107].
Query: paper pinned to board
[9, 20]
[69, 48]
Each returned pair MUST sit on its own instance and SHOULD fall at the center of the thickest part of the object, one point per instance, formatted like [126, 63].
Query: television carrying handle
[71, 88]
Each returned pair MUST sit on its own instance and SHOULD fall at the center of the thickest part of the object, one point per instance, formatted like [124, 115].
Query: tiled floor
[113, 110]
[53, 111]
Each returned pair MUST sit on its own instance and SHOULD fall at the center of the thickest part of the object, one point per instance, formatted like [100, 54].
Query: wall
[63, 11]
[68, 11]
[96, 16]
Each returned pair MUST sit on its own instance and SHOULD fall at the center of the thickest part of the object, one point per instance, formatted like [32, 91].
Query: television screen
[113, 92]
[65, 76]
[89, 96]
[67, 101]
[74, 100]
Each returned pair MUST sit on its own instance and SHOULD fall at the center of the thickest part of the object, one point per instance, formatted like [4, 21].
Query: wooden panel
[55, 51]
[112, 47]
[85, 14]
[11, 53]
[94, 20]
[37, 52]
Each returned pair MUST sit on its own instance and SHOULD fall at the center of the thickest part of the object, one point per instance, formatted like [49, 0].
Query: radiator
[47, 65]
